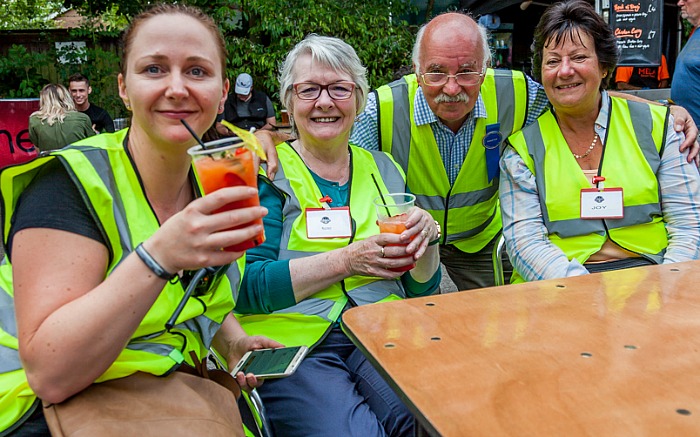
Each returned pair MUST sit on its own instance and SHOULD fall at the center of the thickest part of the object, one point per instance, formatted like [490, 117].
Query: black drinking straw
[381, 195]
[194, 134]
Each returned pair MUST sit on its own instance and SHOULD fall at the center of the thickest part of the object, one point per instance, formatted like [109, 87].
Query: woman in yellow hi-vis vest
[324, 253]
[597, 183]
[103, 236]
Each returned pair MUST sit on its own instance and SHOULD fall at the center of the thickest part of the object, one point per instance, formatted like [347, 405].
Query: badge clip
[325, 200]
[598, 182]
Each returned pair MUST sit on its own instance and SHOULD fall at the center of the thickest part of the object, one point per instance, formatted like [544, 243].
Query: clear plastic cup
[392, 213]
[228, 163]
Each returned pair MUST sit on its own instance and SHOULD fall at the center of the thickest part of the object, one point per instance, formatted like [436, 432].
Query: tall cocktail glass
[228, 163]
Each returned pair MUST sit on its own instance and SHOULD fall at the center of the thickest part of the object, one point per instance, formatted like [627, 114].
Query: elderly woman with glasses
[324, 253]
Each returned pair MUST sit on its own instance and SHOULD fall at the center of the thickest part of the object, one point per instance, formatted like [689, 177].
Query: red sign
[15, 146]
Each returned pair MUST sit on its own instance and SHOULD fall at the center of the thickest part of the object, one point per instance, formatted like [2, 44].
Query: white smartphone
[271, 363]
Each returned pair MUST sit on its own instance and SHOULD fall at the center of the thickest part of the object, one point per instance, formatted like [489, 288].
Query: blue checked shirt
[528, 246]
[453, 147]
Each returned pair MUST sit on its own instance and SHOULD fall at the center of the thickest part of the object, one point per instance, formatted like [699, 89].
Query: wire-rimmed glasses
[466, 78]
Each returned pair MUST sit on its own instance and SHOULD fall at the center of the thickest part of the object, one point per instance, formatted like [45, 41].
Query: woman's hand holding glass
[378, 254]
[194, 237]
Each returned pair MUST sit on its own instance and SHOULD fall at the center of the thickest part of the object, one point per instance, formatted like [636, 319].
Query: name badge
[328, 223]
[602, 204]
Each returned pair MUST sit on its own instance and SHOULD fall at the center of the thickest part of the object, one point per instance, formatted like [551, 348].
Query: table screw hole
[561, 286]
[389, 345]
[435, 338]
[430, 304]
[675, 270]
[630, 346]
[586, 354]
[683, 412]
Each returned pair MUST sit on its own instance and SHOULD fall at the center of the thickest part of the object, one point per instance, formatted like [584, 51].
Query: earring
[128, 106]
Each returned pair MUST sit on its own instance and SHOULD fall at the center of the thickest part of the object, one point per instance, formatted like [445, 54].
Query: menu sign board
[637, 27]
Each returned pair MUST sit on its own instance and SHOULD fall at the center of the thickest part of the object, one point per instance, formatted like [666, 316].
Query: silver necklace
[590, 149]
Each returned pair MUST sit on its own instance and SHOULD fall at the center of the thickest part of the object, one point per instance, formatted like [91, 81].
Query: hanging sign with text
[637, 27]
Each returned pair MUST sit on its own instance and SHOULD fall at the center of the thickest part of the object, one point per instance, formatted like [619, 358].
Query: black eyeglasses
[467, 78]
[312, 91]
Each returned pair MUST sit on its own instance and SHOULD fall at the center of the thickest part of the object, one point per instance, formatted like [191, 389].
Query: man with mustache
[444, 126]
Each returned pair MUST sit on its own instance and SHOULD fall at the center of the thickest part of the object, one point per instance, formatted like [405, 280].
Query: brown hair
[172, 9]
[564, 20]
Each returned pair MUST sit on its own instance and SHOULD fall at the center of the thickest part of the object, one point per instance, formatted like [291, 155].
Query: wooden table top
[611, 354]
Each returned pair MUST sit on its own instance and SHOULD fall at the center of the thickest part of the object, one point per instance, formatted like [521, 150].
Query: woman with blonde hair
[57, 123]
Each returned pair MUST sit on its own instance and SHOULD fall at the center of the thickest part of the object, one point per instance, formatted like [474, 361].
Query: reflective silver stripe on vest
[294, 254]
[203, 325]
[291, 209]
[470, 233]
[100, 161]
[634, 215]
[392, 178]
[639, 112]
[368, 293]
[155, 348]
[9, 357]
[234, 278]
[457, 200]
[311, 306]
[505, 97]
[401, 123]
[564, 228]
[376, 291]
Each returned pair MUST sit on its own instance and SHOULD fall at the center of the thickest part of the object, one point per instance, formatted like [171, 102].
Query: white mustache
[459, 98]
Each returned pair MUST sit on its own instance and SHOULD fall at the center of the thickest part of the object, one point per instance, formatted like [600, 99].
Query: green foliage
[23, 73]
[26, 73]
[102, 68]
[258, 33]
[92, 8]
[275, 26]
[28, 14]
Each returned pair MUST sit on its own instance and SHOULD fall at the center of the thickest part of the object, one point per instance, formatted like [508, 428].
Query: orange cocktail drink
[392, 214]
[228, 163]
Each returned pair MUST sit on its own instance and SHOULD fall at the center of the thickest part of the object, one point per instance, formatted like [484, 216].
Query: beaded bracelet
[152, 263]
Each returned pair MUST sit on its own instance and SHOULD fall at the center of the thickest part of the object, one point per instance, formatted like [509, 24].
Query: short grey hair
[483, 33]
[330, 52]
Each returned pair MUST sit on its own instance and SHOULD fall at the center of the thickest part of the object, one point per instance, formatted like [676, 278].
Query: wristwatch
[439, 234]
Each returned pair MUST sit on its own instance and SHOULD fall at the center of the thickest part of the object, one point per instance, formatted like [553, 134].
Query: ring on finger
[382, 247]
[425, 234]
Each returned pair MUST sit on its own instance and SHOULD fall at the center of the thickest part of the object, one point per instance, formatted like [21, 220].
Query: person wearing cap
[250, 108]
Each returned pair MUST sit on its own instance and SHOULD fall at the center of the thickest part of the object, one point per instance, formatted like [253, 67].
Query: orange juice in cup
[228, 163]
[392, 213]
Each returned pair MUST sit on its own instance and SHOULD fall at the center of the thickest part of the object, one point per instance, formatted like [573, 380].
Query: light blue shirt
[453, 147]
[535, 257]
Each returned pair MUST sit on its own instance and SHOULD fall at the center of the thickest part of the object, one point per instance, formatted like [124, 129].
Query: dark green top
[75, 126]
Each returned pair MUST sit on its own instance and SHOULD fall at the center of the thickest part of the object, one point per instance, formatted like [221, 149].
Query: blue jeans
[335, 392]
